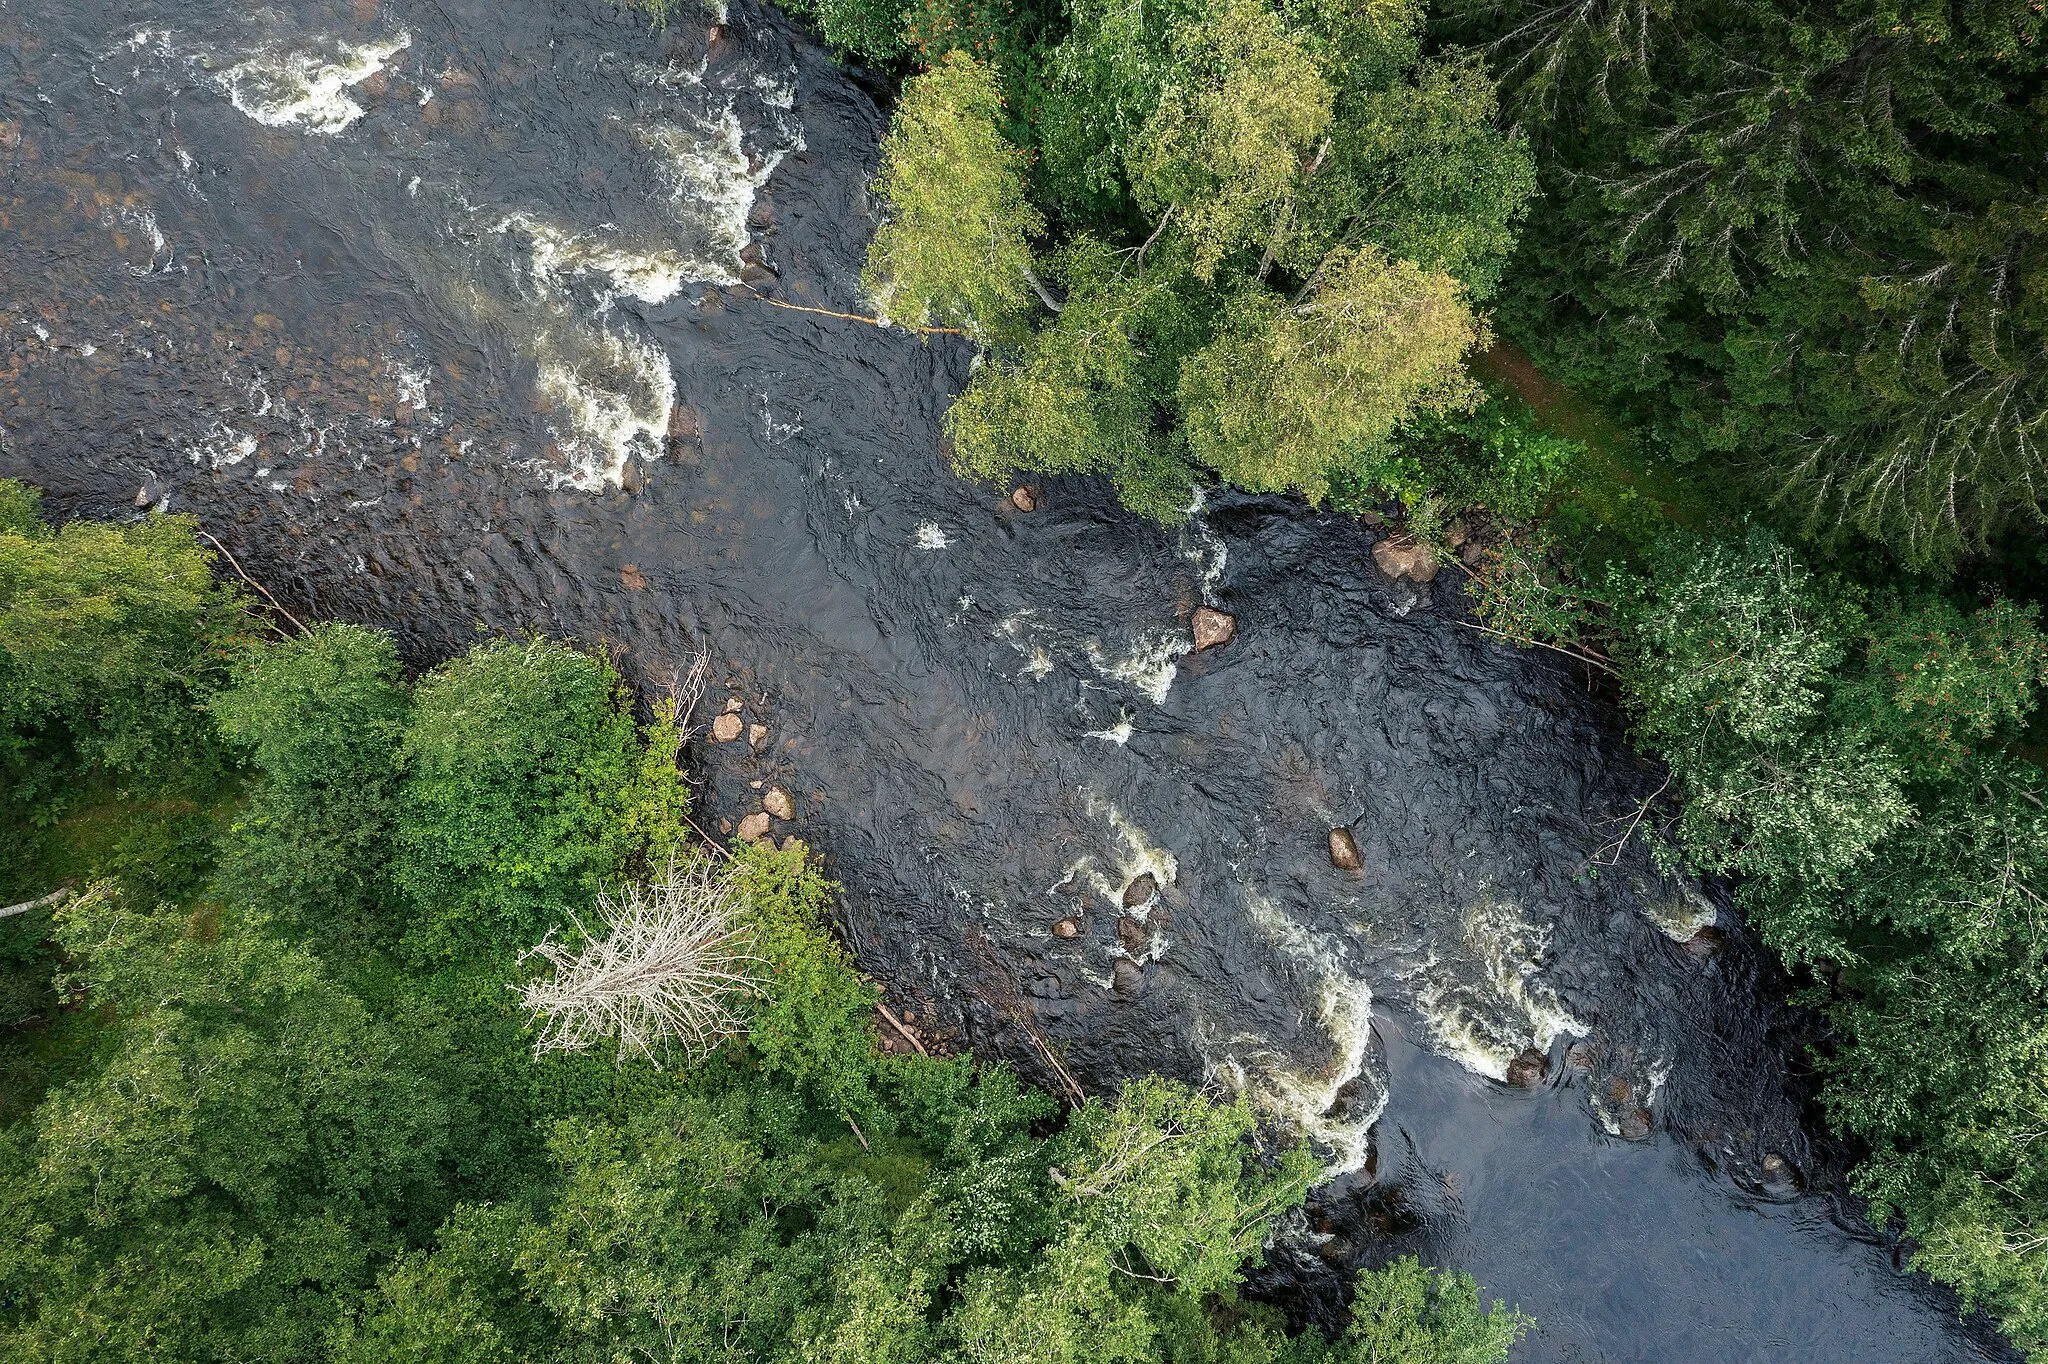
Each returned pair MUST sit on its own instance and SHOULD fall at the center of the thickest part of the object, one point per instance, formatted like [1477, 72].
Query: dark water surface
[432, 312]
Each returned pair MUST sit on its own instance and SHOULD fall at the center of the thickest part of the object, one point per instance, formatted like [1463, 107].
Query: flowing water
[442, 314]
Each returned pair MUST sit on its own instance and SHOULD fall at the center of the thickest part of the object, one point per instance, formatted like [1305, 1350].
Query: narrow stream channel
[433, 311]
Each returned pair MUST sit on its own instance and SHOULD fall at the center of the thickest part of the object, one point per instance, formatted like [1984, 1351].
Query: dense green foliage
[1208, 239]
[280, 1103]
[1851, 753]
[108, 635]
[1806, 241]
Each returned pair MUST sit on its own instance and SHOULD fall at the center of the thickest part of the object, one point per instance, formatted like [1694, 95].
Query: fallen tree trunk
[57, 896]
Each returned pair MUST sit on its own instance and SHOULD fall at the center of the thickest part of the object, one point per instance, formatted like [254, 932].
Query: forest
[343, 1047]
[1715, 336]
[1711, 339]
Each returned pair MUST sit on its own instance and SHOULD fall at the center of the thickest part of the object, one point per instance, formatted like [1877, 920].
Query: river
[433, 312]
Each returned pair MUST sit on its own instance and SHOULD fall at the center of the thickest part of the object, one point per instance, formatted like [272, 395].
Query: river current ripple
[440, 315]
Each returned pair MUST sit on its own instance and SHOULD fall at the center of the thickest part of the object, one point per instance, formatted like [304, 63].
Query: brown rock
[142, 496]
[1067, 928]
[1129, 977]
[1025, 499]
[1527, 1070]
[760, 279]
[1132, 934]
[1412, 562]
[1344, 851]
[726, 728]
[791, 843]
[1455, 535]
[631, 576]
[725, 826]
[1213, 627]
[1471, 554]
[1140, 890]
[1708, 943]
[754, 827]
[1372, 518]
[732, 706]
[1635, 1123]
[778, 803]
[757, 737]
[761, 215]
[685, 432]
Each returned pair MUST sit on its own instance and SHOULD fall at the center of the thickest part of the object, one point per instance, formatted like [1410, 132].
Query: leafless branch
[671, 957]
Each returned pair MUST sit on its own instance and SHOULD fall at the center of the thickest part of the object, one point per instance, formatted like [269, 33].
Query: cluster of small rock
[776, 803]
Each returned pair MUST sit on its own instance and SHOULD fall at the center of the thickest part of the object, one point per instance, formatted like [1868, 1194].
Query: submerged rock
[757, 737]
[754, 827]
[1066, 928]
[1213, 627]
[1344, 854]
[1128, 978]
[1404, 563]
[1142, 889]
[1131, 933]
[777, 803]
[726, 728]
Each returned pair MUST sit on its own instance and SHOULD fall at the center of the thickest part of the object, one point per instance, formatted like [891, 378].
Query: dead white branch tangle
[663, 971]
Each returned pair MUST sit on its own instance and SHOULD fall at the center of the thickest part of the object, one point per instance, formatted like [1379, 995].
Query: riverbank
[949, 677]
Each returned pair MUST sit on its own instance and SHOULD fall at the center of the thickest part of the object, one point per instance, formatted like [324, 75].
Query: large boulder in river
[1527, 1070]
[1140, 890]
[1409, 563]
[1213, 627]
[1344, 853]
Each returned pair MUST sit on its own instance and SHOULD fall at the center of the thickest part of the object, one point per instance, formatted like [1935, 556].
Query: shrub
[517, 761]
[321, 716]
[110, 636]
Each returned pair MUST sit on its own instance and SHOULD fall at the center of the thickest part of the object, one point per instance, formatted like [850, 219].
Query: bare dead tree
[685, 689]
[669, 960]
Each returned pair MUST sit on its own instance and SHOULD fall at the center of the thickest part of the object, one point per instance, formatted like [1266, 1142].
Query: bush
[321, 717]
[110, 638]
[518, 761]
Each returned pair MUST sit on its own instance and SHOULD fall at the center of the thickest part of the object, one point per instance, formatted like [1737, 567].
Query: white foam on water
[776, 431]
[1679, 915]
[555, 256]
[411, 382]
[1208, 553]
[614, 394]
[1014, 630]
[1310, 1098]
[713, 179]
[1151, 663]
[1484, 1005]
[221, 447]
[1118, 733]
[1140, 855]
[930, 536]
[308, 88]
